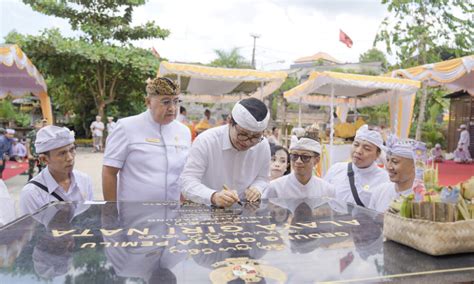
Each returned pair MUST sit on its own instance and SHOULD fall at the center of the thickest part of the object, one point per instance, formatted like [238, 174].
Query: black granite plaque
[276, 241]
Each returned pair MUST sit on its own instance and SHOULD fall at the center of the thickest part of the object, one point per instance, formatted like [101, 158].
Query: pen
[226, 188]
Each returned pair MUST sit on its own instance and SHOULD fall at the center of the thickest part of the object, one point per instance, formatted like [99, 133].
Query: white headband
[400, 148]
[306, 144]
[372, 136]
[52, 137]
[245, 119]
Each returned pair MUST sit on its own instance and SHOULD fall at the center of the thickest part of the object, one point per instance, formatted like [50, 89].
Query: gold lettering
[58, 233]
[147, 243]
[231, 229]
[352, 222]
[248, 240]
[308, 225]
[85, 233]
[129, 244]
[328, 235]
[144, 232]
[197, 230]
[106, 244]
[341, 234]
[270, 227]
[299, 237]
[271, 238]
[109, 233]
[85, 245]
[315, 236]
[331, 222]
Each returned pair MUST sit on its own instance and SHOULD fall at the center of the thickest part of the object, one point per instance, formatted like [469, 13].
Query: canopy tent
[339, 89]
[221, 85]
[455, 74]
[19, 77]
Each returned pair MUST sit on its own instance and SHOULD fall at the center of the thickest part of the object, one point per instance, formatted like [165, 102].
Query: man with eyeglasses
[148, 150]
[301, 183]
[58, 181]
[233, 156]
[356, 180]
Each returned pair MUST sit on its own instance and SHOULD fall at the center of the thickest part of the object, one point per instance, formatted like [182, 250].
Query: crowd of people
[151, 156]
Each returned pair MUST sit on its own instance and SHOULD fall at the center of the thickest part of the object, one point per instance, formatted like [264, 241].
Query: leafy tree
[230, 59]
[416, 27]
[374, 55]
[99, 68]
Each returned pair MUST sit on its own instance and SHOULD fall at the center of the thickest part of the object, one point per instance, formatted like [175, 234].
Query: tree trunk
[421, 116]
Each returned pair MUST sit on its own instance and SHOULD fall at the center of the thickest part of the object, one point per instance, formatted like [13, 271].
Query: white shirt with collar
[33, 198]
[97, 128]
[365, 180]
[150, 157]
[289, 187]
[384, 194]
[213, 162]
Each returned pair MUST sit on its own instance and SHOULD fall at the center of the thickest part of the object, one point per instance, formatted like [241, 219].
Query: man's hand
[224, 198]
[252, 194]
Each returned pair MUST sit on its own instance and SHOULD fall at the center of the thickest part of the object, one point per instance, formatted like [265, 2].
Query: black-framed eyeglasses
[304, 158]
[244, 137]
[168, 103]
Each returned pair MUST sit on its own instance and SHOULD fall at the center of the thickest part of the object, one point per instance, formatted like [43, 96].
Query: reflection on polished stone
[276, 241]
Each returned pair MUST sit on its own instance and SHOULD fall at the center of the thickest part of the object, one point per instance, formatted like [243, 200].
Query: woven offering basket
[434, 238]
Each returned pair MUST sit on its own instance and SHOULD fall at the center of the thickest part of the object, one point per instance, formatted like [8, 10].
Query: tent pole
[299, 113]
[355, 109]
[331, 124]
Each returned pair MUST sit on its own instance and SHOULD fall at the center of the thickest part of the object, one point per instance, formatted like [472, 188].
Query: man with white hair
[58, 181]
[234, 155]
[97, 128]
[401, 170]
[464, 141]
[355, 181]
[301, 183]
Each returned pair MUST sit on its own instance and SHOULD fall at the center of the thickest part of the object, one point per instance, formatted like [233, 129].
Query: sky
[288, 29]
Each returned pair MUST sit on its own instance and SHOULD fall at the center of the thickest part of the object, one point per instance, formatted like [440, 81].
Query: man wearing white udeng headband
[234, 155]
[356, 180]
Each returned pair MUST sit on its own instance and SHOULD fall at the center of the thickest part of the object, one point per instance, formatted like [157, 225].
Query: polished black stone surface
[276, 241]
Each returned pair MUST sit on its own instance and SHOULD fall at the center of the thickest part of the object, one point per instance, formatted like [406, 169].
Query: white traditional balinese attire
[289, 187]
[384, 194]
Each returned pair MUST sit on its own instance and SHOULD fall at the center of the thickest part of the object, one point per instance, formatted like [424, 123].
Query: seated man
[437, 154]
[300, 183]
[18, 151]
[58, 181]
[401, 170]
[461, 156]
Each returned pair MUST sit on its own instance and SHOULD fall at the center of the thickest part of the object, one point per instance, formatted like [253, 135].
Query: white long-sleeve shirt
[384, 194]
[365, 180]
[464, 139]
[289, 187]
[213, 162]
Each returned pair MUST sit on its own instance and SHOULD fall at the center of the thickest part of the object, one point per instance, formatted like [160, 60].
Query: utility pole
[255, 36]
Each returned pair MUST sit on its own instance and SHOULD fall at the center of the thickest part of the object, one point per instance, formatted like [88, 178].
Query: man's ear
[147, 101]
[43, 159]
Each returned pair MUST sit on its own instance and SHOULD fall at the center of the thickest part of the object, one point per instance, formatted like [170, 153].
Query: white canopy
[455, 74]
[211, 84]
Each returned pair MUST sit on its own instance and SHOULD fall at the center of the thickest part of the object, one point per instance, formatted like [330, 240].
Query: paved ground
[86, 161]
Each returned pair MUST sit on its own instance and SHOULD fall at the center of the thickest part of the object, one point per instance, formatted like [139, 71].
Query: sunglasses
[304, 158]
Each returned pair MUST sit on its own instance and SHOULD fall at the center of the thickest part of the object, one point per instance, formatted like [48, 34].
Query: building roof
[316, 57]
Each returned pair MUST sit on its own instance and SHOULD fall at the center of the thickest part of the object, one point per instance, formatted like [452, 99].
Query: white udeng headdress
[245, 119]
[372, 136]
[52, 137]
[402, 148]
[306, 144]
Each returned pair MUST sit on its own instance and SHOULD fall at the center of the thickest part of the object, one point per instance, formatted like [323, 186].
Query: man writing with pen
[235, 156]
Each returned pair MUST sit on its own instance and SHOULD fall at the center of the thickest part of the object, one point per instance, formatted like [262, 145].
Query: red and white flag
[155, 53]
[344, 38]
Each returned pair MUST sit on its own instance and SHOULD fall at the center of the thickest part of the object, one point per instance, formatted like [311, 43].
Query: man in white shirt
[58, 181]
[97, 128]
[182, 115]
[110, 124]
[149, 150]
[234, 155]
[364, 172]
[401, 170]
[18, 151]
[464, 141]
[301, 183]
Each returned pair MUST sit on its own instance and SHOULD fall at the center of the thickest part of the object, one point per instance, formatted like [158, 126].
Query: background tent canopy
[18, 74]
[359, 90]
[456, 74]
[208, 82]
[19, 77]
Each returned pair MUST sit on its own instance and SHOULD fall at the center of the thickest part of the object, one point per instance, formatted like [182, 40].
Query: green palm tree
[230, 59]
